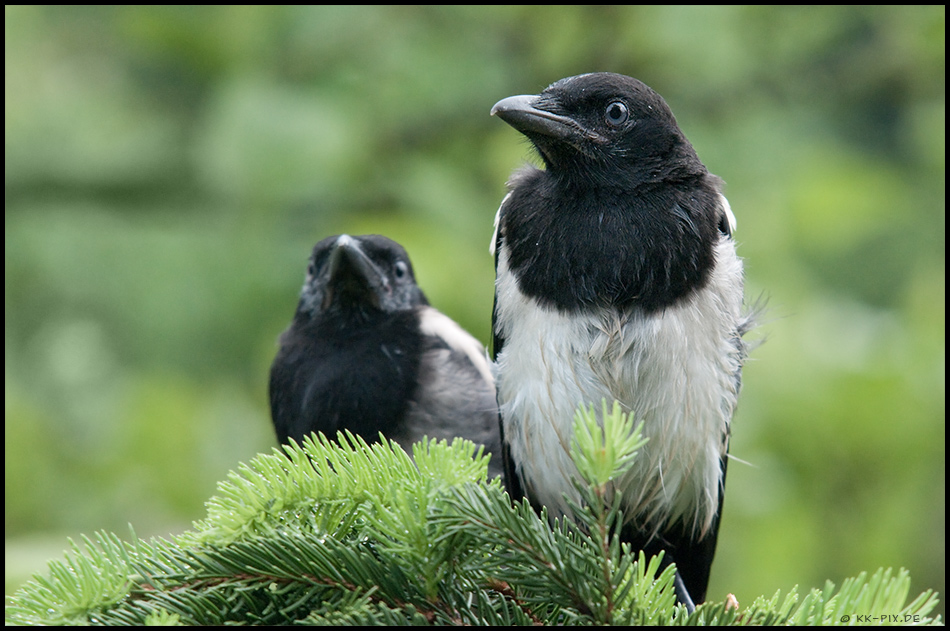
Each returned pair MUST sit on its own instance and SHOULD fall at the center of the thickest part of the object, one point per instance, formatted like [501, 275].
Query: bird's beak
[350, 271]
[522, 113]
[529, 114]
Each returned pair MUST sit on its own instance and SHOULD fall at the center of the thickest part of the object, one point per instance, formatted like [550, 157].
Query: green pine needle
[346, 533]
[603, 453]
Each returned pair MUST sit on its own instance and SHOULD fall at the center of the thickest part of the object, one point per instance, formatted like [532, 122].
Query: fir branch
[341, 532]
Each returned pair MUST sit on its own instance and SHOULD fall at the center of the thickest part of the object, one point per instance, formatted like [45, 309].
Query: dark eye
[401, 269]
[616, 113]
[311, 269]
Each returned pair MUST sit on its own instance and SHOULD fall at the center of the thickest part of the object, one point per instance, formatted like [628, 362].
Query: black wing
[456, 393]
[693, 558]
[291, 377]
[512, 481]
[362, 385]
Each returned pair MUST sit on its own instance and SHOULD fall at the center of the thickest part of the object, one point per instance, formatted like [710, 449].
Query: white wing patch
[494, 235]
[730, 217]
[434, 322]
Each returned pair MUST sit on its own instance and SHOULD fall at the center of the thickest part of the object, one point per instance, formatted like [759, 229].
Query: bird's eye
[617, 113]
[311, 269]
[401, 269]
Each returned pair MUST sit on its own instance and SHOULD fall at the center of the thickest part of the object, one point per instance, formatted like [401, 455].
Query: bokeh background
[168, 170]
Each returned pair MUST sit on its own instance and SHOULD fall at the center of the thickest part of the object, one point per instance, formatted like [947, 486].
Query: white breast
[676, 370]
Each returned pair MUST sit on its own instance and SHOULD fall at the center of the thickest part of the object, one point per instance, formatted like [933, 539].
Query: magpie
[617, 278]
[366, 352]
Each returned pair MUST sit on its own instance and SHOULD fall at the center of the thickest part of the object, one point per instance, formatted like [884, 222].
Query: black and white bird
[366, 352]
[617, 278]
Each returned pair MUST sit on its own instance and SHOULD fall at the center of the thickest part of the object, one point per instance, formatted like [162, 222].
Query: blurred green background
[169, 169]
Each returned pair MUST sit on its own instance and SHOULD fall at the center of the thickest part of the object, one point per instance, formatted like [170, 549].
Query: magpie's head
[603, 126]
[358, 277]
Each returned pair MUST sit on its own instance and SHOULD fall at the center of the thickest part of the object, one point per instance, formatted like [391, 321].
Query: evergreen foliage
[356, 534]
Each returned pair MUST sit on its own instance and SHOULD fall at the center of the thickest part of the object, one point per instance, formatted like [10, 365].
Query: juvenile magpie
[617, 277]
[366, 352]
